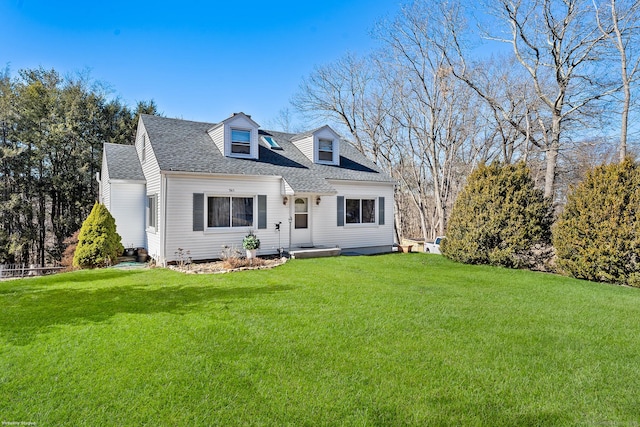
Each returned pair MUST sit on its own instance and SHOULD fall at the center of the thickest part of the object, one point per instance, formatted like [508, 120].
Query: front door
[301, 232]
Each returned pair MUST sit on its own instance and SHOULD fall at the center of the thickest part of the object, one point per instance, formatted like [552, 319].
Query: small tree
[500, 218]
[98, 242]
[71, 243]
[597, 237]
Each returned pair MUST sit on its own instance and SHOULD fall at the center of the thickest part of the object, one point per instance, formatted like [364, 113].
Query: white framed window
[143, 154]
[325, 150]
[241, 142]
[360, 211]
[152, 212]
[228, 212]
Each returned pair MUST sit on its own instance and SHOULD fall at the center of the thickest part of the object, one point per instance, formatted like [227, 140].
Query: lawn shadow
[26, 314]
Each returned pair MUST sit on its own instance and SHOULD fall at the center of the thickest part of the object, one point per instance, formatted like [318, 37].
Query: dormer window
[325, 150]
[240, 141]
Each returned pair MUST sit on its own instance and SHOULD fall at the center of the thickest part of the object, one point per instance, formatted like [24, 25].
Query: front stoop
[315, 252]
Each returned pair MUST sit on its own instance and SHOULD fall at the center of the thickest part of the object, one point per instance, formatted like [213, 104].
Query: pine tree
[98, 242]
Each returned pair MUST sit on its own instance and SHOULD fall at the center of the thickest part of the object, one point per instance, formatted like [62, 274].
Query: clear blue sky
[199, 60]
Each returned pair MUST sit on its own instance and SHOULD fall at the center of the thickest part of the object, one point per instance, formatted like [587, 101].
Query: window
[271, 143]
[301, 213]
[360, 211]
[325, 150]
[229, 212]
[152, 211]
[240, 141]
[144, 147]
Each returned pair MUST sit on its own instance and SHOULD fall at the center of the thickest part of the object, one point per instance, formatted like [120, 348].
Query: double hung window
[325, 150]
[240, 141]
[152, 211]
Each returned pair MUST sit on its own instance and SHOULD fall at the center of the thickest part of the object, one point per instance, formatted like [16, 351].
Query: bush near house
[500, 219]
[98, 242]
[597, 237]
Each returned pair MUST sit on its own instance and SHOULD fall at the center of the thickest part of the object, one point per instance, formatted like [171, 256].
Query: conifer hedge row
[501, 219]
[597, 236]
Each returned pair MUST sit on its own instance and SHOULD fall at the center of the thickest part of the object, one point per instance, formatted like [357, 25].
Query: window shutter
[380, 210]
[198, 212]
[340, 211]
[262, 211]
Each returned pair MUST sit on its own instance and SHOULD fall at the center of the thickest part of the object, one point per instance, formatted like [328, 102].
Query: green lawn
[409, 339]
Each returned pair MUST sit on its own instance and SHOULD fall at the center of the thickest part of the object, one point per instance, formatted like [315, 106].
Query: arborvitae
[597, 237]
[98, 242]
[501, 219]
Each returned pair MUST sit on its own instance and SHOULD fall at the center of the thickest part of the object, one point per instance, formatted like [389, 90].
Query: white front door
[301, 224]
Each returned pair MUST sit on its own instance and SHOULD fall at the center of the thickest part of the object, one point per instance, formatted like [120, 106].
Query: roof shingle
[181, 145]
[122, 162]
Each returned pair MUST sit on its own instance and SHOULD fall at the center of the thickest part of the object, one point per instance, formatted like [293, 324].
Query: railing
[23, 270]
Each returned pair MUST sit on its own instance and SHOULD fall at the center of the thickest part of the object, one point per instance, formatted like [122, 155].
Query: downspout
[291, 202]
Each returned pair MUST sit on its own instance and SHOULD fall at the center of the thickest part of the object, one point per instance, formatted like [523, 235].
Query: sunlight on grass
[386, 340]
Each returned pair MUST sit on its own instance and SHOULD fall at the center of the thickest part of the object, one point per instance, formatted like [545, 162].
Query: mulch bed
[217, 267]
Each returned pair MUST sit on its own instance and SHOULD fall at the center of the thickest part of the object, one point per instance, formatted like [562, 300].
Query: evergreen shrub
[597, 237]
[98, 242]
[500, 219]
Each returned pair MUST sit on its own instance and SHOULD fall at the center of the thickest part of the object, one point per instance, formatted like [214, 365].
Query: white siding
[217, 135]
[127, 207]
[323, 217]
[305, 145]
[105, 185]
[326, 231]
[208, 244]
[151, 172]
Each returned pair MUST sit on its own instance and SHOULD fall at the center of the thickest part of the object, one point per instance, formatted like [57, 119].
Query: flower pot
[251, 253]
[129, 252]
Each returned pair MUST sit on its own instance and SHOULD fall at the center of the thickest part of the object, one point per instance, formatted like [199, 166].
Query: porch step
[314, 252]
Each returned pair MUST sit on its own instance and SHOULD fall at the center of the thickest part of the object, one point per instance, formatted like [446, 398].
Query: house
[202, 186]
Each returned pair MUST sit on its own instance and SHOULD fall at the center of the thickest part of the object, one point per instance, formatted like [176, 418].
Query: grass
[408, 339]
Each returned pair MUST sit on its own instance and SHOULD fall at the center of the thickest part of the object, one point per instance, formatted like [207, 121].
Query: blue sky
[199, 60]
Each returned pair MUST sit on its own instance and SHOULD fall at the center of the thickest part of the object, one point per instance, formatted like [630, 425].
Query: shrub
[501, 219]
[71, 243]
[597, 237]
[251, 241]
[98, 242]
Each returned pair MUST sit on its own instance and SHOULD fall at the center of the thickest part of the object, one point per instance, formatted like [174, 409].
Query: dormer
[236, 136]
[321, 146]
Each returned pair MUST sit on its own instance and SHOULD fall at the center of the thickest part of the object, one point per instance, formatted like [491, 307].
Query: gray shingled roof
[185, 146]
[122, 162]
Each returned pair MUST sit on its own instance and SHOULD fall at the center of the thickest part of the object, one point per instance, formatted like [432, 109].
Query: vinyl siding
[305, 145]
[217, 135]
[151, 171]
[105, 185]
[326, 232]
[128, 209]
[208, 244]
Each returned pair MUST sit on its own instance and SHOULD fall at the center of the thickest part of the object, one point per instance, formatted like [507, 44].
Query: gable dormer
[321, 146]
[236, 136]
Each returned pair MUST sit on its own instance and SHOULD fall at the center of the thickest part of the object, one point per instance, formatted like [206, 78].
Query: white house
[202, 186]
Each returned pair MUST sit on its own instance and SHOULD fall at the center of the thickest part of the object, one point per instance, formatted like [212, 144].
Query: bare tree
[619, 22]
